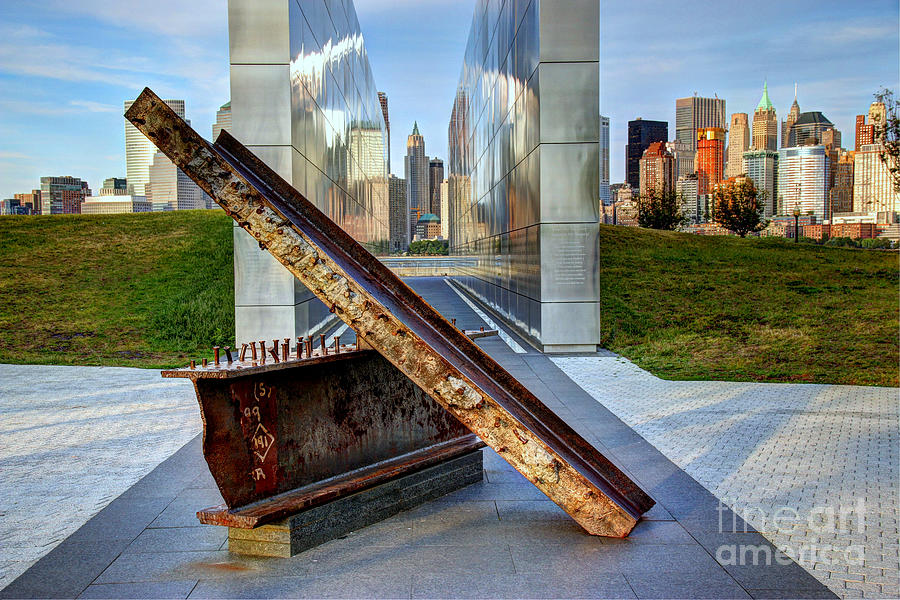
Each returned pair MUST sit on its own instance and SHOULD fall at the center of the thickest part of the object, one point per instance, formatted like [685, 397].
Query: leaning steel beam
[400, 325]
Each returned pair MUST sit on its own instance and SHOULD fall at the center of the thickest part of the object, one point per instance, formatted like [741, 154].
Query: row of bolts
[285, 350]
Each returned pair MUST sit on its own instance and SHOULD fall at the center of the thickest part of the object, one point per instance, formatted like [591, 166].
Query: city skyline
[838, 56]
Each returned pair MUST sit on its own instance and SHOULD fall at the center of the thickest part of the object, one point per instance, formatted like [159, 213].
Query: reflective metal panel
[524, 164]
[571, 182]
[261, 104]
[569, 30]
[569, 262]
[315, 118]
[256, 34]
[569, 108]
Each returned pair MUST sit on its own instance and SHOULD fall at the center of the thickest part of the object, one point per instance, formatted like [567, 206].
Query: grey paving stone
[530, 511]
[792, 594]
[167, 566]
[179, 539]
[656, 532]
[597, 556]
[581, 585]
[383, 585]
[791, 576]
[681, 585]
[65, 571]
[496, 491]
[137, 591]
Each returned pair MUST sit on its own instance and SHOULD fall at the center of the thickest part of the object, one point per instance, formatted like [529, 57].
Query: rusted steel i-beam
[400, 325]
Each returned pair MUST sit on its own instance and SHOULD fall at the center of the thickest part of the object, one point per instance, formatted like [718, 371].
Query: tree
[660, 209]
[430, 247]
[738, 206]
[887, 133]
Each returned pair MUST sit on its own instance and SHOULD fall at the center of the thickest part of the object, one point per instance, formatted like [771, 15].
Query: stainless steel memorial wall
[524, 167]
[304, 100]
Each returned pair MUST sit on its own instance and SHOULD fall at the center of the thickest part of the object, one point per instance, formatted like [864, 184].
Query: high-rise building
[694, 113]
[688, 193]
[877, 115]
[765, 124]
[865, 133]
[738, 143]
[139, 150]
[30, 201]
[641, 134]
[383, 101]
[657, 169]
[710, 170]
[114, 186]
[223, 120]
[761, 166]
[435, 177]
[841, 195]
[684, 158]
[399, 214]
[415, 168]
[526, 206]
[788, 123]
[170, 189]
[809, 127]
[445, 209]
[873, 189]
[300, 84]
[63, 195]
[803, 180]
[604, 160]
[111, 204]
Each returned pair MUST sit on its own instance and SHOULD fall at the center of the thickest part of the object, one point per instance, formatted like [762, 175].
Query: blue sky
[66, 67]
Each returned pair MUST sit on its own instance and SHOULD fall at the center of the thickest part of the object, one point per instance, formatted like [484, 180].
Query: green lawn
[759, 309]
[145, 290]
[156, 290]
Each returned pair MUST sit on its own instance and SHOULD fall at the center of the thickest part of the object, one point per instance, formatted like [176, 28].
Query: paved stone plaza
[788, 457]
[498, 538]
[74, 438]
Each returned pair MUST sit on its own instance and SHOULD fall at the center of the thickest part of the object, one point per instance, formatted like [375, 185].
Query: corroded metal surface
[400, 325]
[281, 427]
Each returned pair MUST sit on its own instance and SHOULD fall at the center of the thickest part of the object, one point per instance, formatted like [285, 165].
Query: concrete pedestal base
[318, 525]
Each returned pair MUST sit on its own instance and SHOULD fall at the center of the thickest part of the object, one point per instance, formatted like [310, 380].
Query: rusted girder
[400, 325]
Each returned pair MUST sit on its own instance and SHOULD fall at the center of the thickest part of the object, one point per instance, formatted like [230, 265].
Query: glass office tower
[304, 101]
[524, 144]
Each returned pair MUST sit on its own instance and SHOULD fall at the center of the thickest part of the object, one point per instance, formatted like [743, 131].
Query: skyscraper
[803, 180]
[641, 134]
[788, 123]
[445, 209]
[684, 158]
[139, 151]
[694, 113]
[687, 190]
[761, 166]
[223, 120]
[657, 169]
[604, 160]
[710, 145]
[809, 127]
[765, 124]
[63, 195]
[383, 101]
[873, 189]
[416, 170]
[30, 201]
[738, 143]
[399, 214]
[841, 194]
[435, 177]
[170, 189]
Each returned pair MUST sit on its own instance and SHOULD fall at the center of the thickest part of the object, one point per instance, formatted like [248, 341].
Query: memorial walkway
[499, 538]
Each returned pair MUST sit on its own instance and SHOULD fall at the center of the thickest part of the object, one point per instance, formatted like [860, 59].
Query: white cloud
[13, 156]
[174, 18]
[91, 106]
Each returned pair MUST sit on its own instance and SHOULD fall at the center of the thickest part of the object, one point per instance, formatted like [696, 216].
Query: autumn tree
[738, 206]
[887, 133]
[660, 209]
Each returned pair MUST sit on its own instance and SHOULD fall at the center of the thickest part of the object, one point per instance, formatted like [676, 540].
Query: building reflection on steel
[523, 175]
[304, 100]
